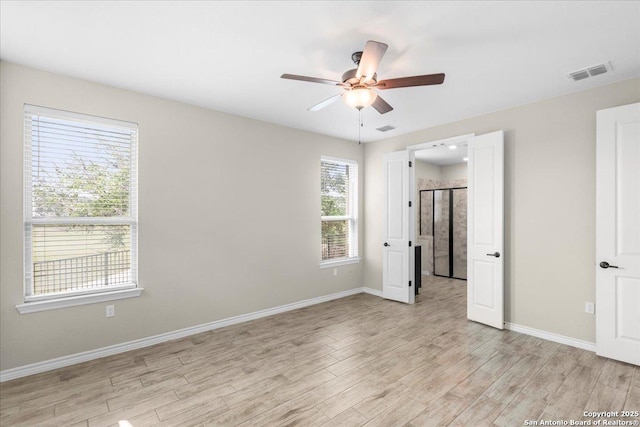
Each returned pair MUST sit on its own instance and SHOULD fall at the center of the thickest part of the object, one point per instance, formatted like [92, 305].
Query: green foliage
[334, 199]
[83, 187]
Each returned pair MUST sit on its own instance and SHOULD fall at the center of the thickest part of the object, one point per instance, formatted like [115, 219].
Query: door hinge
[410, 164]
[409, 203]
[409, 283]
[409, 243]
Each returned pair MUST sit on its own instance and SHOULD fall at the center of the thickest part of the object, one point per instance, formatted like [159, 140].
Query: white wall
[426, 170]
[549, 204]
[229, 218]
[454, 172]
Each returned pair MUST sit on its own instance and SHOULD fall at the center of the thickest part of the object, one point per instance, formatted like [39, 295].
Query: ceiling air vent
[591, 71]
[598, 69]
[579, 75]
[386, 128]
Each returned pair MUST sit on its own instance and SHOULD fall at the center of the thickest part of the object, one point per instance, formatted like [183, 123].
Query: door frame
[412, 183]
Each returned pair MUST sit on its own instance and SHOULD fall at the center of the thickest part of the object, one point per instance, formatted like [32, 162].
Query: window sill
[53, 304]
[338, 262]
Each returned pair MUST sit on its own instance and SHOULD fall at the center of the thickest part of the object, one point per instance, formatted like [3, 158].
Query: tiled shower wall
[460, 233]
[424, 222]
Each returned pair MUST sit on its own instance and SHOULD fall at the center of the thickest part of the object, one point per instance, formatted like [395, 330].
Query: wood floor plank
[442, 411]
[483, 412]
[350, 397]
[146, 419]
[348, 418]
[606, 398]
[180, 406]
[617, 374]
[522, 407]
[632, 402]
[133, 410]
[299, 410]
[397, 415]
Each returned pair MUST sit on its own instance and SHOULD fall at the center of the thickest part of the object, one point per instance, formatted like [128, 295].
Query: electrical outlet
[335, 271]
[111, 311]
[589, 307]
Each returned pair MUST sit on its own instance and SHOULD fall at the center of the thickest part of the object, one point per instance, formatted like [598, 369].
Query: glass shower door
[450, 232]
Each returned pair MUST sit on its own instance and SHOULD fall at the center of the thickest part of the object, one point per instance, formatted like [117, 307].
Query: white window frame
[352, 217]
[35, 303]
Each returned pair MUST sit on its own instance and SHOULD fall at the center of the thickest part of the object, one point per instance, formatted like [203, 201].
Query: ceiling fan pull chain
[360, 125]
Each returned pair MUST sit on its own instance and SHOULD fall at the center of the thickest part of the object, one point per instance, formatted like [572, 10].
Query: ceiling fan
[360, 82]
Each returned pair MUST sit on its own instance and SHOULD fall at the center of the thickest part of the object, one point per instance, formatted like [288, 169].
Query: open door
[618, 233]
[485, 230]
[397, 259]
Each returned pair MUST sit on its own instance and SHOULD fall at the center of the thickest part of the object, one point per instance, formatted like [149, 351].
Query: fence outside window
[82, 273]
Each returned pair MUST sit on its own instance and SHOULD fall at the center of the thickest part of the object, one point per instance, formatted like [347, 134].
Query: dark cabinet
[418, 269]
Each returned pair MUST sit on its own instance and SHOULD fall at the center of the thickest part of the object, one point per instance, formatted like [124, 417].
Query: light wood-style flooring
[356, 361]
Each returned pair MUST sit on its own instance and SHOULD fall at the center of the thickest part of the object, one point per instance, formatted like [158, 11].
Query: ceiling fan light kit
[359, 83]
[359, 97]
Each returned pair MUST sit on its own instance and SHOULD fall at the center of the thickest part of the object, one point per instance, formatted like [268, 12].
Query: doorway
[485, 223]
[441, 214]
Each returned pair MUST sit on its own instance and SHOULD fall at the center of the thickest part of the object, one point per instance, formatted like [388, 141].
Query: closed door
[618, 233]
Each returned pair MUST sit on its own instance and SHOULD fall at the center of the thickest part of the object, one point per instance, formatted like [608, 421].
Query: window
[80, 213]
[339, 210]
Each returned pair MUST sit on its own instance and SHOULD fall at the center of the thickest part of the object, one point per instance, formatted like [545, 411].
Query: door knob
[495, 254]
[386, 244]
[605, 264]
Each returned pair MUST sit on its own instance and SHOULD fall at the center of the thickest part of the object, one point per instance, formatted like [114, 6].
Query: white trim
[54, 304]
[447, 141]
[339, 160]
[342, 261]
[425, 273]
[64, 295]
[371, 291]
[550, 336]
[85, 118]
[72, 359]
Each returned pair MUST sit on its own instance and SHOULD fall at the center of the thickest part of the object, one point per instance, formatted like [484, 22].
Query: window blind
[338, 186]
[80, 203]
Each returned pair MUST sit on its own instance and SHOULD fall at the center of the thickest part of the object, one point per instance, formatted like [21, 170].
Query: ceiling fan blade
[311, 79]
[381, 105]
[325, 103]
[427, 79]
[371, 57]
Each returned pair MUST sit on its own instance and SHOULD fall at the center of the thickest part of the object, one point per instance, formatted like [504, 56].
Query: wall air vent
[386, 128]
[591, 71]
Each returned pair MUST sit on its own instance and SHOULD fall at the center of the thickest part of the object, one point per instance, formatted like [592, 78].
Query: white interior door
[397, 261]
[485, 235]
[618, 233]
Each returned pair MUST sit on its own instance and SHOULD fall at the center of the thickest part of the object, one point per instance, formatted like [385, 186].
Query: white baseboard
[425, 273]
[550, 336]
[85, 356]
[372, 291]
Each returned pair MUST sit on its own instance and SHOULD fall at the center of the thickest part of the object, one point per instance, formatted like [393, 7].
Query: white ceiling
[229, 56]
[442, 155]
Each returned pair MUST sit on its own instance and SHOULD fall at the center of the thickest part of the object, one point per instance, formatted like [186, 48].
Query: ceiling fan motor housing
[349, 77]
